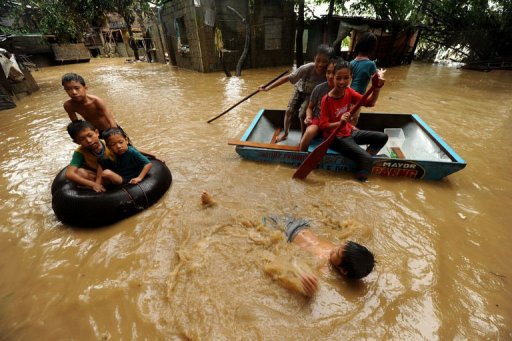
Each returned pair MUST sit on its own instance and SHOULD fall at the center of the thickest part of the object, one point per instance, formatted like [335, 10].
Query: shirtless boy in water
[352, 260]
[90, 107]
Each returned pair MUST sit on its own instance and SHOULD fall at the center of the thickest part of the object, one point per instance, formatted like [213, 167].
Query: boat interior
[413, 141]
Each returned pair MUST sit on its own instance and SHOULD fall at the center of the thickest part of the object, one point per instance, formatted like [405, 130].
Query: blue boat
[415, 152]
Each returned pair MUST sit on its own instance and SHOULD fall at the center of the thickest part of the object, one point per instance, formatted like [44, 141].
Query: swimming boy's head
[85, 134]
[116, 140]
[366, 44]
[322, 56]
[353, 260]
[74, 85]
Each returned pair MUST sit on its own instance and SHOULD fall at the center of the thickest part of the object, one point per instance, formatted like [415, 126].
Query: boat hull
[431, 158]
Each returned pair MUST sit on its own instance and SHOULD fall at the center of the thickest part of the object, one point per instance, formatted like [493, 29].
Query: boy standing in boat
[305, 78]
[90, 107]
[83, 167]
[362, 67]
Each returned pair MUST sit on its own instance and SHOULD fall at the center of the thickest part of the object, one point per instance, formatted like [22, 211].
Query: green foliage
[69, 19]
[478, 29]
[396, 10]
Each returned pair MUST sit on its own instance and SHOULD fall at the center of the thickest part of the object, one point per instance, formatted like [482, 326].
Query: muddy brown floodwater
[180, 271]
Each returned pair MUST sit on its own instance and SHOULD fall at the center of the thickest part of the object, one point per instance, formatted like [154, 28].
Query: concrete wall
[185, 12]
[200, 23]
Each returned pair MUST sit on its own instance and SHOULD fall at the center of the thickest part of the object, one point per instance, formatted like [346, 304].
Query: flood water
[180, 271]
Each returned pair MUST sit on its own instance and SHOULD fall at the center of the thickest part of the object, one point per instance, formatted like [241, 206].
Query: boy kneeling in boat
[83, 167]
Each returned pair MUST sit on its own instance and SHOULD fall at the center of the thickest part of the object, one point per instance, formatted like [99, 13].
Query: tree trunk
[299, 56]
[247, 41]
[329, 19]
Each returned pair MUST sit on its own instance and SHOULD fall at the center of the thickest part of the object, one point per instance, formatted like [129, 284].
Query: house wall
[271, 24]
[184, 13]
[268, 16]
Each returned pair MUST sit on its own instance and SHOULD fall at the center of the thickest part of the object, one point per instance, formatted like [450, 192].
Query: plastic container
[396, 137]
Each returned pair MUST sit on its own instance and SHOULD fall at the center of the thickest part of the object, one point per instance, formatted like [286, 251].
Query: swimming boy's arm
[293, 276]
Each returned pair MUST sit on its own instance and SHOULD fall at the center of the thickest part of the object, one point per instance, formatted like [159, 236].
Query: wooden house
[396, 41]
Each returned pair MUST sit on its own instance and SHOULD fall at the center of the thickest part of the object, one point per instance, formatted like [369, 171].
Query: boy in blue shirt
[128, 166]
[362, 67]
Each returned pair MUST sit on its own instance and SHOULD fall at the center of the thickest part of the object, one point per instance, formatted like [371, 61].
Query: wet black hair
[72, 77]
[113, 131]
[343, 64]
[75, 127]
[333, 60]
[324, 49]
[356, 261]
[366, 43]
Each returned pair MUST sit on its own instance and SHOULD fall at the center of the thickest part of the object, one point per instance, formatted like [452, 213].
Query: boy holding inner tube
[83, 167]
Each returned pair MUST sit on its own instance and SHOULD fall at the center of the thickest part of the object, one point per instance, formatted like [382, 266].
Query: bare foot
[281, 138]
[207, 200]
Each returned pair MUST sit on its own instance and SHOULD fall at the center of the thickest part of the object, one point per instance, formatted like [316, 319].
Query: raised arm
[379, 83]
[293, 276]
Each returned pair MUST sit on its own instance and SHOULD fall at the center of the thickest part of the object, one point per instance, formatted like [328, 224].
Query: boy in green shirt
[83, 167]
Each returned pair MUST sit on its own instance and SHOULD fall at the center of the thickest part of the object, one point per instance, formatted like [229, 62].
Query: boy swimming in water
[352, 260]
[83, 167]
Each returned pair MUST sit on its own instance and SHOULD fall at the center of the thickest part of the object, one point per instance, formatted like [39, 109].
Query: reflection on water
[181, 271]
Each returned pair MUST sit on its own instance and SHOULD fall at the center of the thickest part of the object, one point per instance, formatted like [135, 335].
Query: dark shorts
[290, 225]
